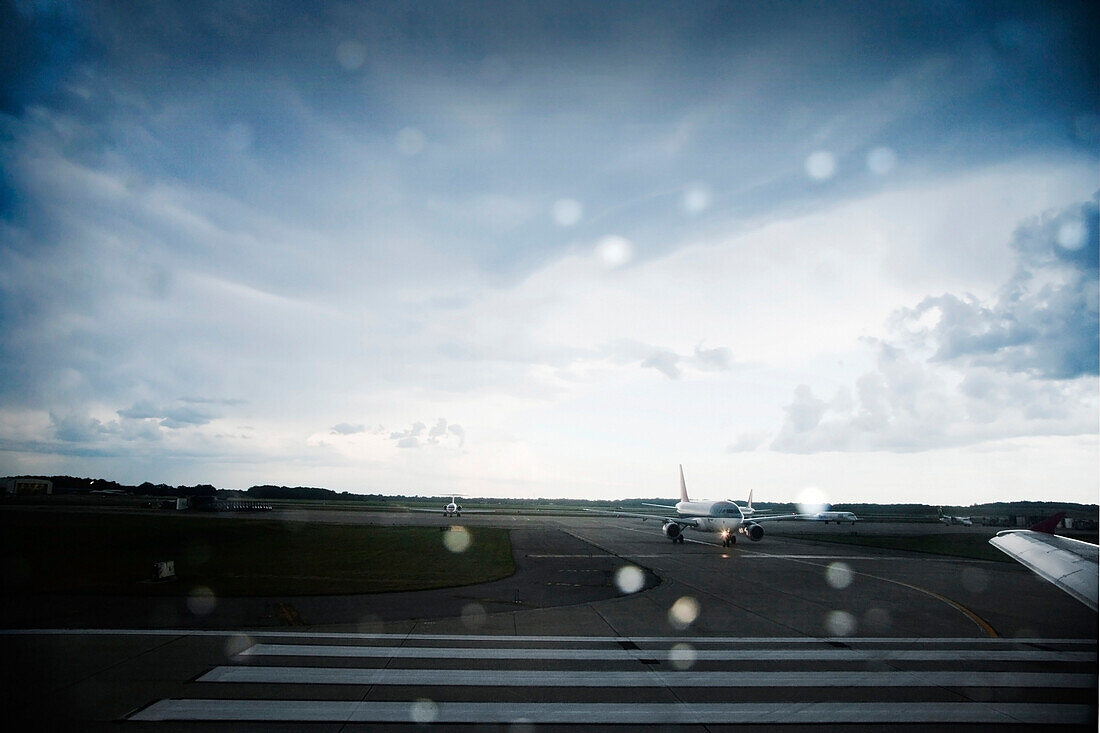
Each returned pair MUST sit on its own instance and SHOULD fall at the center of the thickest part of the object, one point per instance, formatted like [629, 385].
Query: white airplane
[966, 521]
[727, 518]
[837, 517]
[1072, 565]
[452, 509]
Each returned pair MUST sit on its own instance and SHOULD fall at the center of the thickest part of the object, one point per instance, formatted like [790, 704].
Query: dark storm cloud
[170, 417]
[1046, 321]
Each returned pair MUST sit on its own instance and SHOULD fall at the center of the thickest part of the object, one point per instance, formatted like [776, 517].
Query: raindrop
[682, 656]
[239, 136]
[457, 539]
[351, 54]
[367, 623]
[629, 579]
[566, 212]
[1072, 234]
[236, 644]
[423, 711]
[838, 575]
[697, 198]
[201, 601]
[410, 141]
[877, 621]
[614, 251]
[881, 161]
[821, 165]
[683, 612]
[840, 623]
[473, 616]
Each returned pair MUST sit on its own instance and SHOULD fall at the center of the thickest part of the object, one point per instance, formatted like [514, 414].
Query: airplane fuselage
[837, 517]
[712, 516]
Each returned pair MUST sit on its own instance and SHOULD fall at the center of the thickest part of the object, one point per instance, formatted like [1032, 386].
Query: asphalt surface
[604, 623]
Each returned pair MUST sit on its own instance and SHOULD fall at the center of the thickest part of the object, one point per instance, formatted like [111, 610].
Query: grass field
[114, 553]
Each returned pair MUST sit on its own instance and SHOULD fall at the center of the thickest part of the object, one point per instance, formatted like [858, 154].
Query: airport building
[27, 486]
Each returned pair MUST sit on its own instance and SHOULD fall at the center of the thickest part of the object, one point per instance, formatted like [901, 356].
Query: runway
[649, 683]
[781, 631]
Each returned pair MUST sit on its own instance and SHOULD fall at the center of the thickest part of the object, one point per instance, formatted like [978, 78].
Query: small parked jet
[727, 518]
[966, 521]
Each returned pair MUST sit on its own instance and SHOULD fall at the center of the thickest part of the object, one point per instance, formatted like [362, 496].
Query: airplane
[966, 521]
[1070, 564]
[727, 518]
[451, 509]
[837, 517]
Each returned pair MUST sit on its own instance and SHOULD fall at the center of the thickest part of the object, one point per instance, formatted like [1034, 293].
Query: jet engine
[753, 530]
[672, 530]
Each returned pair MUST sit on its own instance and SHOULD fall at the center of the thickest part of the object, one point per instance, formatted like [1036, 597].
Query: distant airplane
[837, 517]
[1070, 564]
[727, 518]
[966, 521]
[451, 509]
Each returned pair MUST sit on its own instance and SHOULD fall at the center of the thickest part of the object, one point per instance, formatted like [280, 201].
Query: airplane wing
[772, 517]
[1070, 564]
[682, 521]
[440, 509]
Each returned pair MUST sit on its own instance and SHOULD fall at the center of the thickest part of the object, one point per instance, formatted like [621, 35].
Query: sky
[554, 249]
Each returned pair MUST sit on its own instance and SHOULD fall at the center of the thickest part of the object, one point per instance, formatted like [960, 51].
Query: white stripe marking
[653, 678]
[694, 640]
[423, 652]
[616, 713]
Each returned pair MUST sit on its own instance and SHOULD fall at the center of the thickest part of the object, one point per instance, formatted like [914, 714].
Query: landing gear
[678, 538]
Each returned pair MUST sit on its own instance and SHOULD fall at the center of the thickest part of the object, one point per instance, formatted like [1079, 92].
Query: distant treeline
[75, 485]
[78, 485]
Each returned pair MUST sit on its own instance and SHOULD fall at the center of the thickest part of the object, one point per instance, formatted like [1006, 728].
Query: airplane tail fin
[749, 505]
[683, 486]
[1047, 525]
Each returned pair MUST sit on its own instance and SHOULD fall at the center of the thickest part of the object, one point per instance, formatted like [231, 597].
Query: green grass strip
[114, 554]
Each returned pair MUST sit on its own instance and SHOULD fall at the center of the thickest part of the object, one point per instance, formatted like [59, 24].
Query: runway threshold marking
[366, 636]
[646, 678]
[830, 654]
[425, 711]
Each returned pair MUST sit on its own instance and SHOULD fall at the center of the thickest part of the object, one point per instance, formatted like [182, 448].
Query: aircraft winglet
[1047, 525]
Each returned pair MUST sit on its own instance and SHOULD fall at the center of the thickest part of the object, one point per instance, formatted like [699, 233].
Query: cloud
[347, 429]
[671, 364]
[1045, 321]
[170, 417]
[957, 371]
[748, 442]
[78, 429]
[666, 362]
[441, 433]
